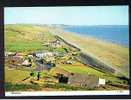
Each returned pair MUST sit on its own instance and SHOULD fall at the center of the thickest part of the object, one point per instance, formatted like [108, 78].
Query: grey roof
[89, 81]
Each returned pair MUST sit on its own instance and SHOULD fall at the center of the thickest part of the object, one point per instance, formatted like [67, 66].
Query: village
[56, 53]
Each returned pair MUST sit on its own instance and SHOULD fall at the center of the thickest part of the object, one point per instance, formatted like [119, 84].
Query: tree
[38, 76]
[33, 74]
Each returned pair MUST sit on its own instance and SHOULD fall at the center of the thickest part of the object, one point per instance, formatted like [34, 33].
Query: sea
[118, 34]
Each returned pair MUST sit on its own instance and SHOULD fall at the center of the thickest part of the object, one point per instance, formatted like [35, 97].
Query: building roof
[89, 81]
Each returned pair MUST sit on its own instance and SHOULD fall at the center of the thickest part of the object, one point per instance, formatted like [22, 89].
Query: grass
[20, 37]
[35, 87]
[22, 46]
[21, 87]
[65, 87]
[82, 69]
[61, 50]
[15, 76]
[45, 74]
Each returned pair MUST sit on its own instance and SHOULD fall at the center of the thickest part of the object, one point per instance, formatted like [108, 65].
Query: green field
[85, 70]
[81, 69]
[15, 76]
[23, 46]
[22, 38]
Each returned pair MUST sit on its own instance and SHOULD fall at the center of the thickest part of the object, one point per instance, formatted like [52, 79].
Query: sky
[77, 15]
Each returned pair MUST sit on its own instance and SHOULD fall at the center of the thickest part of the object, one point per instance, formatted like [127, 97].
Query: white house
[25, 63]
[45, 54]
[48, 54]
[31, 56]
[39, 54]
[101, 81]
[9, 54]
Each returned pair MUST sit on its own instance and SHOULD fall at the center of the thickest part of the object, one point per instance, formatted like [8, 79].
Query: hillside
[59, 50]
[109, 53]
[26, 37]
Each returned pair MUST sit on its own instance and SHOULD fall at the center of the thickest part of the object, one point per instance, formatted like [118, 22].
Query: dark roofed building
[89, 81]
[41, 65]
[77, 79]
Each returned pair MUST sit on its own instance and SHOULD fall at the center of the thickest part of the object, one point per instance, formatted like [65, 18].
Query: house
[30, 56]
[16, 61]
[50, 54]
[89, 81]
[82, 80]
[7, 54]
[68, 62]
[26, 63]
[101, 82]
[49, 59]
[45, 54]
[55, 44]
[39, 54]
[43, 66]
[20, 54]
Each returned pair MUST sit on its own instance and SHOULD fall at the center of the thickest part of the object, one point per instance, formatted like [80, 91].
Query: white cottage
[26, 63]
[101, 81]
[45, 54]
[39, 54]
[9, 54]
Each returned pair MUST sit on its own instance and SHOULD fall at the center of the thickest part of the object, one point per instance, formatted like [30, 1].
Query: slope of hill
[109, 53]
[26, 37]
[22, 37]
[30, 38]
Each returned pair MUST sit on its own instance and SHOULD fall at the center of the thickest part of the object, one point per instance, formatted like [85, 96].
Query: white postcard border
[68, 93]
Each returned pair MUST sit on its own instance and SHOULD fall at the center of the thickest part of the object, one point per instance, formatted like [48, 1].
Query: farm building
[15, 61]
[39, 54]
[7, 54]
[26, 63]
[43, 66]
[82, 80]
[101, 82]
[90, 81]
[30, 56]
[55, 44]
[69, 62]
[76, 79]
[45, 54]
[20, 55]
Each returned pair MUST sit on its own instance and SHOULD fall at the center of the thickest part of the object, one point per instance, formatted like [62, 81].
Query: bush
[33, 74]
